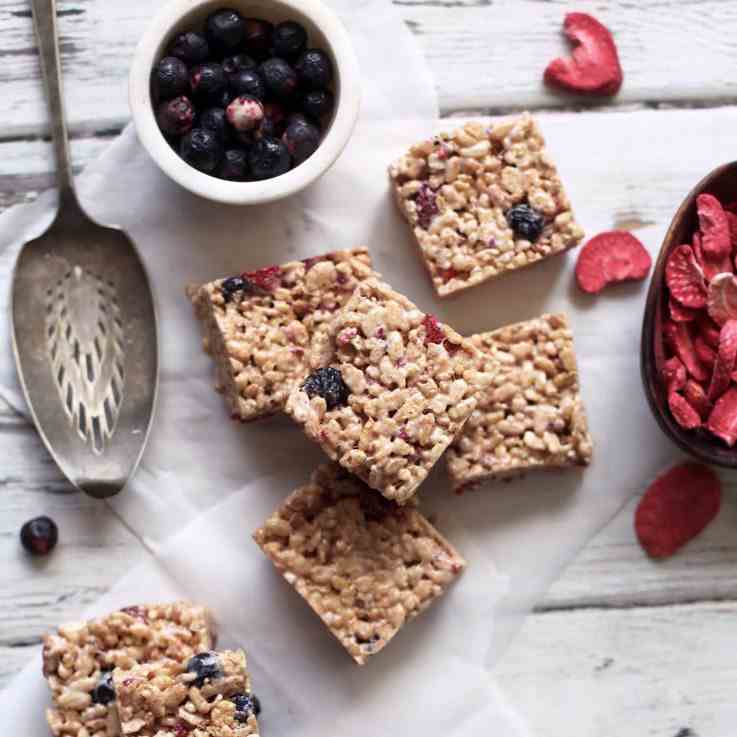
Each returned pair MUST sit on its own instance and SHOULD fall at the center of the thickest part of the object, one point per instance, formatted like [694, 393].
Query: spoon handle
[44, 17]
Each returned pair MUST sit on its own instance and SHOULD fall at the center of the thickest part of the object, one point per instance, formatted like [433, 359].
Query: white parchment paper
[206, 483]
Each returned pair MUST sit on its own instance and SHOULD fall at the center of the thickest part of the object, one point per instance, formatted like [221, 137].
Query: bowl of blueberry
[248, 102]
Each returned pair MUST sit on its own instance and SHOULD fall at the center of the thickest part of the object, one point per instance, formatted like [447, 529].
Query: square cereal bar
[79, 658]
[364, 564]
[209, 697]
[393, 388]
[532, 415]
[261, 327]
[462, 192]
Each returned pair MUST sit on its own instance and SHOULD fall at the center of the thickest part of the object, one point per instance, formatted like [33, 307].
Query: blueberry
[525, 222]
[175, 116]
[205, 666]
[314, 69]
[170, 78]
[208, 81]
[224, 100]
[245, 113]
[225, 29]
[318, 103]
[258, 36]
[39, 535]
[327, 383]
[247, 82]
[103, 692]
[289, 40]
[245, 705]
[302, 139]
[234, 167]
[202, 149]
[275, 120]
[235, 284]
[214, 119]
[190, 47]
[237, 63]
[268, 158]
[279, 77]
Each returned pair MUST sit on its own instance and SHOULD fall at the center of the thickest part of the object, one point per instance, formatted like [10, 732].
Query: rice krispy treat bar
[532, 415]
[79, 658]
[211, 697]
[393, 389]
[261, 335]
[364, 564]
[456, 191]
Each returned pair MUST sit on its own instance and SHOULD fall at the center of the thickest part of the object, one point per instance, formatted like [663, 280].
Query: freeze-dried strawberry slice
[712, 266]
[715, 237]
[679, 338]
[673, 374]
[698, 251]
[722, 298]
[611, 257]
[679, 313]
[708, 330]
[723, 418]
[593, 67]
[726, 356]
[683, 413]
[732, 221]
[704, 352]
[685, 278]
[676, 507]
[696, 397]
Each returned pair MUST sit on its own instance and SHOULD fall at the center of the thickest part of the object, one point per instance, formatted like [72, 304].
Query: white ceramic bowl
[325, 31]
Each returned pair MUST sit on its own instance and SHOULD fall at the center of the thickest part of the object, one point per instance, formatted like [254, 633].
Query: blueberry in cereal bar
[390, 390]
[208, 696]
[531, 415]
[482, 201]
[261, 327]
[364, 564]
[78, 660]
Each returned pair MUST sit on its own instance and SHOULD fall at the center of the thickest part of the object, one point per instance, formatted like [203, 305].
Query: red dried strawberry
[704, 352]
[685, 279]
[723, 418]
[611, 257]
[715, 236]
[732, 221]
[712, 266]
[683, 413]
[726, 356]
[679, 313]
[722, 298]
[708, 330]
[677, 506]
[673, 374]
[433, 332]
[678, 337]
[268, 278]
[696, 396]
[593, 67]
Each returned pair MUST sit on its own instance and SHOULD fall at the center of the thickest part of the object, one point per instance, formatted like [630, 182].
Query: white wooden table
[620, 645]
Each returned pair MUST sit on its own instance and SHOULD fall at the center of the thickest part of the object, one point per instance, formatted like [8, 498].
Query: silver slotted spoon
[84, 323]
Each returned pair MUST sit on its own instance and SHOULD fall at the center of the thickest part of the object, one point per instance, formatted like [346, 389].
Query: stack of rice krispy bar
[386, 390]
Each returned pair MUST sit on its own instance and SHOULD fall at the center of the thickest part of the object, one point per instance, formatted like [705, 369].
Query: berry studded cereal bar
[78, 660]
[364, 564]
[210, 696]
[531, 416]
[260, 327]
[482, 201]
[393, 388]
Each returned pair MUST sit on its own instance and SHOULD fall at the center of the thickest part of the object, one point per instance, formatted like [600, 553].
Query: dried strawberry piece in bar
[673, 374]
[267, 279]
[593, 67]
[726, 357]
[679, 339]
[676, 507]
[684, 278]
[722, 298]
[683, 413]
[611, 257]
[695, 395]
[679, 313]
[715, 234]
[723, 418]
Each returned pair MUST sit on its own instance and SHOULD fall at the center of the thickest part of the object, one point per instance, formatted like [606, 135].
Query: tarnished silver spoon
[84, 323]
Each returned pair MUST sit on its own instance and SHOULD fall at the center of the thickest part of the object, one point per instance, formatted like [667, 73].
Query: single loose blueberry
[318, 103]
[225, 30]
[205, 666]
[247, 82]
[289, 40]
[314, 69]
[327, 383]
[103, 692]
[237, 63]
[202, 149]
[209, 81]
[258, 36]
[280, 79]
[175, 116]
[245, 705]
[39, 535]
[190, 47]
[234, 167]
[170, 78]
[302, 139]
[268, 158]
[525, 222]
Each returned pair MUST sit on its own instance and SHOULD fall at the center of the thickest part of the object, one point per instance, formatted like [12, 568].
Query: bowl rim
[243, 193]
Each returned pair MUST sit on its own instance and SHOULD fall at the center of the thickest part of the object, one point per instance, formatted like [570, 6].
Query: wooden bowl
[722, 183]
